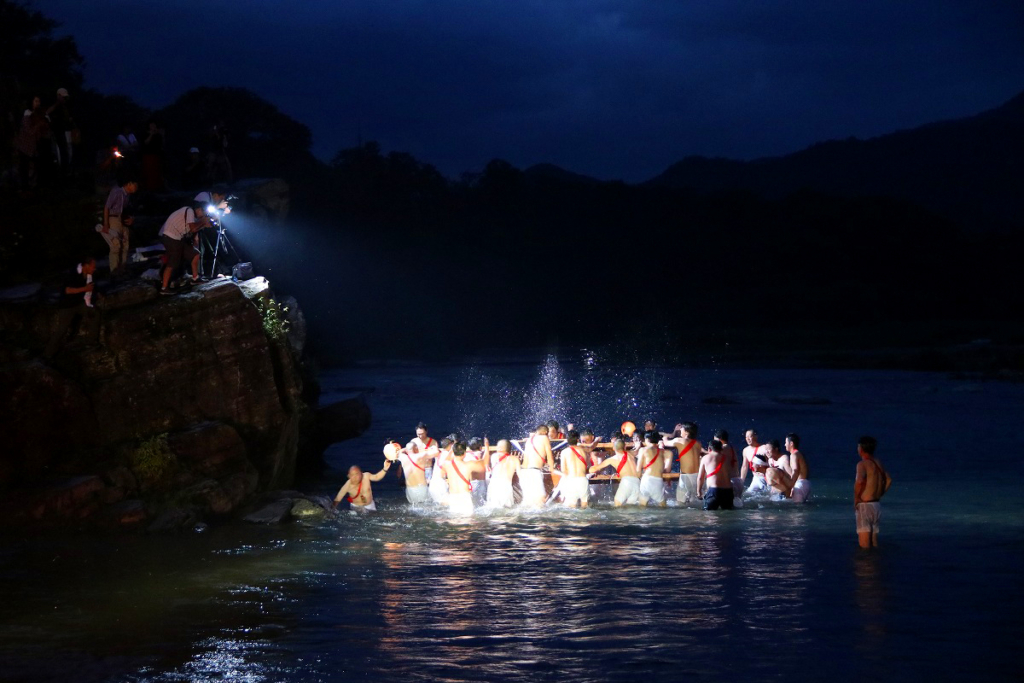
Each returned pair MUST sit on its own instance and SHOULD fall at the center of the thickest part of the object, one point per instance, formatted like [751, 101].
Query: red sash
[502, 458]
[360, 488]
[576, 453]
[711, 474]
[656, 456]
[456, 468]
[685, 450]
[618, 470]
[415, 464]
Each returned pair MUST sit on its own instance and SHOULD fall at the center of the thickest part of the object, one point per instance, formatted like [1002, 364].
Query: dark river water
[774, 591]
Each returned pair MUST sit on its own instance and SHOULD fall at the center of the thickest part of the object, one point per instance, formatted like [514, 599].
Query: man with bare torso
[714, 484]
[734, 466]
[870, 485]
[575, 486]
[438, 483]
[797, 469]
[628, 492]
[690, 453]
[757, 482]
[413, 460]
[357, 488]
[536, 454]
[504, 464]
[460, 473]
[651, 460]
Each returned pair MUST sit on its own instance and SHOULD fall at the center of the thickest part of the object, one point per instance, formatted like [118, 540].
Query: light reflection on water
[770, 592]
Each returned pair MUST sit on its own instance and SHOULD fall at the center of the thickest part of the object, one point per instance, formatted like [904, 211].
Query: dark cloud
[612, 88]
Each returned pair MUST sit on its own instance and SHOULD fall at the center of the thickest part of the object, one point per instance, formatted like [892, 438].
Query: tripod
[221, 239]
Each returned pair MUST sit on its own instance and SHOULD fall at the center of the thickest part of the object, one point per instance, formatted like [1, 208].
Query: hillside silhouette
[969, 169]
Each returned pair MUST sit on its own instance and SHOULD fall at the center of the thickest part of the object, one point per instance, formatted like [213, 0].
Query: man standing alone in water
[870, 485]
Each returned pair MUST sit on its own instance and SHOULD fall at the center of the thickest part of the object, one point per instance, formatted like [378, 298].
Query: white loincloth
[531, 482]
[479, 492]
[438, 488]
[653, 488]
[686, 489]
[369, 507]
[460, 503]
[417, 495]
[801, 491]
[574, 489]
[758, 484]
[868, 516]
[628, 492]
[499, 493]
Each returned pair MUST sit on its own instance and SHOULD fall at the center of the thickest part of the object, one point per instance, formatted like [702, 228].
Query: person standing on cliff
[114, 230]
[178, 237]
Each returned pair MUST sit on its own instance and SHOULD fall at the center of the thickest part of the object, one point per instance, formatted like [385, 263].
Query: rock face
[162, 409]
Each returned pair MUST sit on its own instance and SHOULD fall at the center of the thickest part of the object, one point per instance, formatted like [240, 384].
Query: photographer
[215, 203]
[178, 236]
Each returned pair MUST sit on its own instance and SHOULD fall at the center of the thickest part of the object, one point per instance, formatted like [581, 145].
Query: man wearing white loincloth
[357, 488]
[438, 485]
[757, 483]
[504, 464]
[628, 492]
[690, 453]
[536, 454]
[652, 465]
[575, 486]
[460, 474]
[415, 474]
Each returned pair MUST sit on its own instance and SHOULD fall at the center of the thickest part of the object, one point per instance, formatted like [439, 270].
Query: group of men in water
[463, 474]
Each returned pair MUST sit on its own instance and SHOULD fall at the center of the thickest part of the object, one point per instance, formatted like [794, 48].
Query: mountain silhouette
[969, 169]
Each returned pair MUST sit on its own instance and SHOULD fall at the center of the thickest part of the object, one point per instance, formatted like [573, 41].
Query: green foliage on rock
[275, 318]
[152, 462]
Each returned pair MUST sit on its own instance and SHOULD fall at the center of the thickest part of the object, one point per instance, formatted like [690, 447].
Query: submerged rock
[275, 513]
[306, 509]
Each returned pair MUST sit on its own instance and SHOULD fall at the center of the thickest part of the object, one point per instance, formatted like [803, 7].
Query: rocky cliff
[159, 411]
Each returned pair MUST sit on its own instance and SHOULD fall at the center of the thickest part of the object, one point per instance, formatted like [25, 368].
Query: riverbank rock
[275, 513]
[154, 406]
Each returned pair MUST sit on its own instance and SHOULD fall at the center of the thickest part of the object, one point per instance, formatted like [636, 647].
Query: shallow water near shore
[774, 591]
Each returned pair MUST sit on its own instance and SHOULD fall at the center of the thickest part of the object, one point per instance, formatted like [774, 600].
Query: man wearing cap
[114, 229]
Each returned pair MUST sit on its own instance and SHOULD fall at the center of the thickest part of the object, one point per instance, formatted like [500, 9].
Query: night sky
[614, 89]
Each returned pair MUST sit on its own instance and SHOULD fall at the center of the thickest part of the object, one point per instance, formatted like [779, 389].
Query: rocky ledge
[161, 412]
